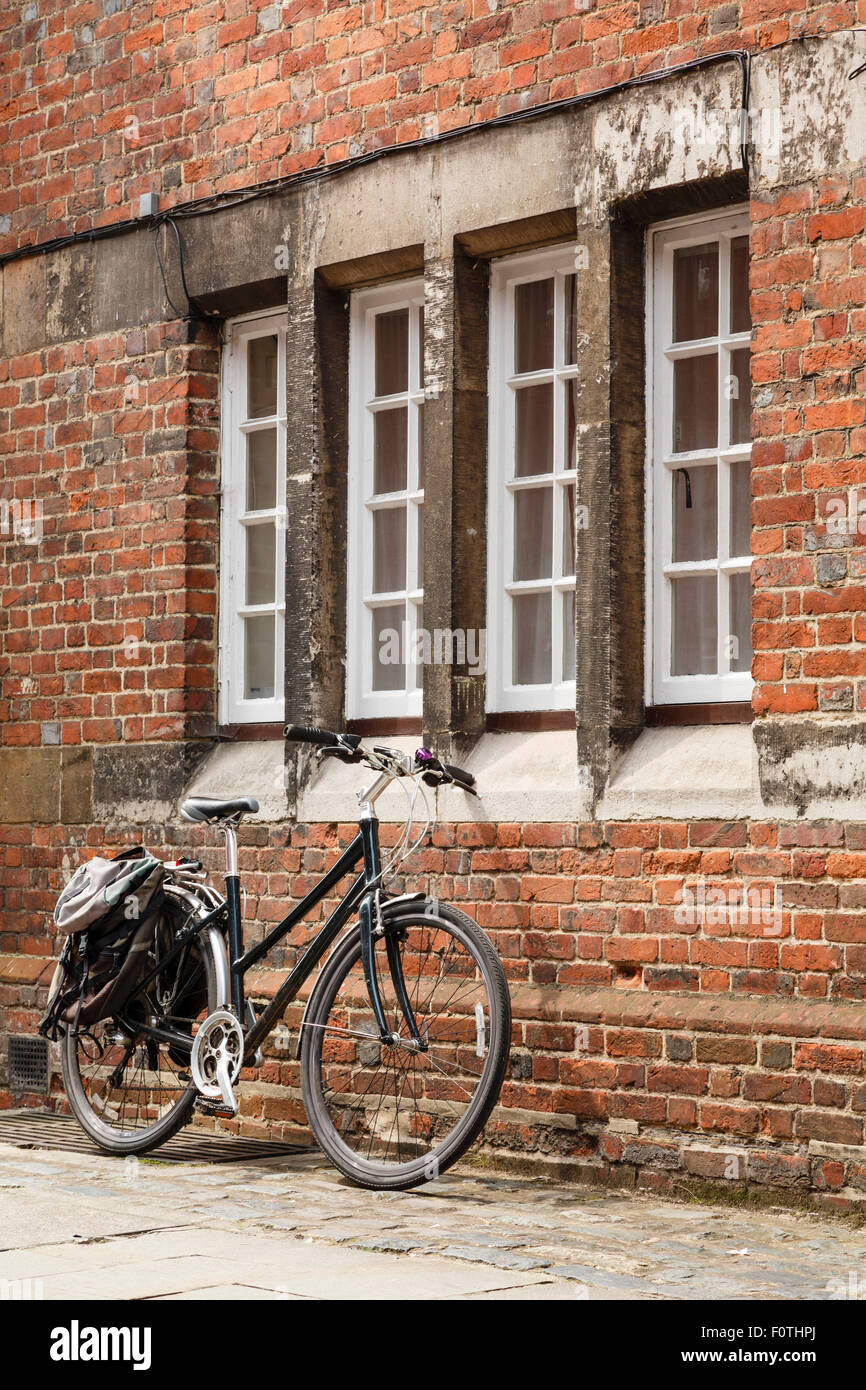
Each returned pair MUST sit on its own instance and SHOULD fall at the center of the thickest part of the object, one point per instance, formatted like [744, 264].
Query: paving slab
[86, 1225]
[30, 1217]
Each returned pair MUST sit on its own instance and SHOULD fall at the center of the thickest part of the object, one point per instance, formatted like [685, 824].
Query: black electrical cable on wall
[194, 311]
[216, 202]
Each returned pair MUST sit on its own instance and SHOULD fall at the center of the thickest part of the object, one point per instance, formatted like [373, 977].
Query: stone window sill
[520, 777]
[676, 773]
[682, 773]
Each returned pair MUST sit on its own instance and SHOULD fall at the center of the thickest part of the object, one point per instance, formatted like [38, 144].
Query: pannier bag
[100, 885]
[108, 912]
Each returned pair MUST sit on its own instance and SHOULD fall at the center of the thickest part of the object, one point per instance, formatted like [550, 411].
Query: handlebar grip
[301, 733]
[459, 775]
[448, 770]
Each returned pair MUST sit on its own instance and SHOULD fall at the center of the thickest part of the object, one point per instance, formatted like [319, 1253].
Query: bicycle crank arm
[224, 1082]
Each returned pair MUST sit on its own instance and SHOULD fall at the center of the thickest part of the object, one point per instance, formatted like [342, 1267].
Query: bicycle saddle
[205, 808]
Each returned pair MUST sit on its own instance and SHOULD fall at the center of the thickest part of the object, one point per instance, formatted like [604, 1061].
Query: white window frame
[362, 701]
[663, 240]
[235, 519]
[502, 695]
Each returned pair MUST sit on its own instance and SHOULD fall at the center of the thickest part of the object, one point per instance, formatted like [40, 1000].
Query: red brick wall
[107, 625]
[624, 1016]
[808, 279]
[190, 99]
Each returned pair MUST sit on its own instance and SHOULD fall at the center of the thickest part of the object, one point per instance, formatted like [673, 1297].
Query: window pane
[389, 550]
[694, 624]
[259, 658]
[696, 292]
[261, 564]
[389, 450]
[740, 390]
[420, 516]
[741, 320]
[696, 403]
[262, 377]
[533, 326]
[533, 530]
[570, 388]
[741, 622]
[420, 410]
[533, 430]
[392, 352]
[741, 507]
[261, 470]
[389, 672]
[568, 529]
[568, 638]
[570, 287]
[695, 513]
[531, 639]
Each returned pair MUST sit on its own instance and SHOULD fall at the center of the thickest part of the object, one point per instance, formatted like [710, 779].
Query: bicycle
[405, 1035]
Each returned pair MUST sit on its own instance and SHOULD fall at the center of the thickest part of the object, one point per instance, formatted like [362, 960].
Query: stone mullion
[593, 500]
[455, 422]
[439, 376]
[302, 458]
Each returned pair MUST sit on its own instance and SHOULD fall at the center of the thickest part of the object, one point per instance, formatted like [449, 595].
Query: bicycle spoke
[129, 1082]
[396, 1104]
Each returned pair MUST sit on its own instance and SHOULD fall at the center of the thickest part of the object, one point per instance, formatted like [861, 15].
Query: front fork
[372, 922]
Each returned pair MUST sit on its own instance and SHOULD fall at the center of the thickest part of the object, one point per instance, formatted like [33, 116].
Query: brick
[829, 1127]
[733, 1051]
[828, 1057]
[775, 1055]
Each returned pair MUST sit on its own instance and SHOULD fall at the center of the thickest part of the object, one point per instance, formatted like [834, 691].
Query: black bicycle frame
[363, 891]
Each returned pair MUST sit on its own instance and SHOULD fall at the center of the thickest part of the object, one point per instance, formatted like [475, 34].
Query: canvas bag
[115, 909]
[97, 887]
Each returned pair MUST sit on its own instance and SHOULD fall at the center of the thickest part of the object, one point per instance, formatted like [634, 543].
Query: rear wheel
[130, 1092]
[391, 1115]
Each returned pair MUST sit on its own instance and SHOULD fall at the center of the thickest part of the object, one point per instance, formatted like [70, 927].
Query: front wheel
[391, 1115]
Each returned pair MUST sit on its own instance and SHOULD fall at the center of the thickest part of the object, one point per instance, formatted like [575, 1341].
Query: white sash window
[386, 501]
[253, 520]
[699, 591]
[532, 471]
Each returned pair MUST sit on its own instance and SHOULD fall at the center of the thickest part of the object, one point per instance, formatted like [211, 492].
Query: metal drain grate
[28, 1130]
[28, 1064]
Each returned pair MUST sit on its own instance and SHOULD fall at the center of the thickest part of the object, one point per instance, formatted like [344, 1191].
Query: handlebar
[301, 733]
[447, 771]
[348, 747]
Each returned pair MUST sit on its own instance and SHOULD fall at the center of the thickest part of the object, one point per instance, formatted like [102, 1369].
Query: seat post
[231, 850]
[235, 925]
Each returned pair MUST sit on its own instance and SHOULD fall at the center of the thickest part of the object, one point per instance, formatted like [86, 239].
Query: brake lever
[346, 755]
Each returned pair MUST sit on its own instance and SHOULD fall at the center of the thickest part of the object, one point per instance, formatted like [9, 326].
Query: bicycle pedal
[215, 1108]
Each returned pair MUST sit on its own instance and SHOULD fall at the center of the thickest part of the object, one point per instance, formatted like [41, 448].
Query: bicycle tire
[141, 1140]
[367, 1172]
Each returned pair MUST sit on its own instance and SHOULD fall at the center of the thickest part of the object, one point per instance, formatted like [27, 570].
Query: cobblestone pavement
[88, 1226]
